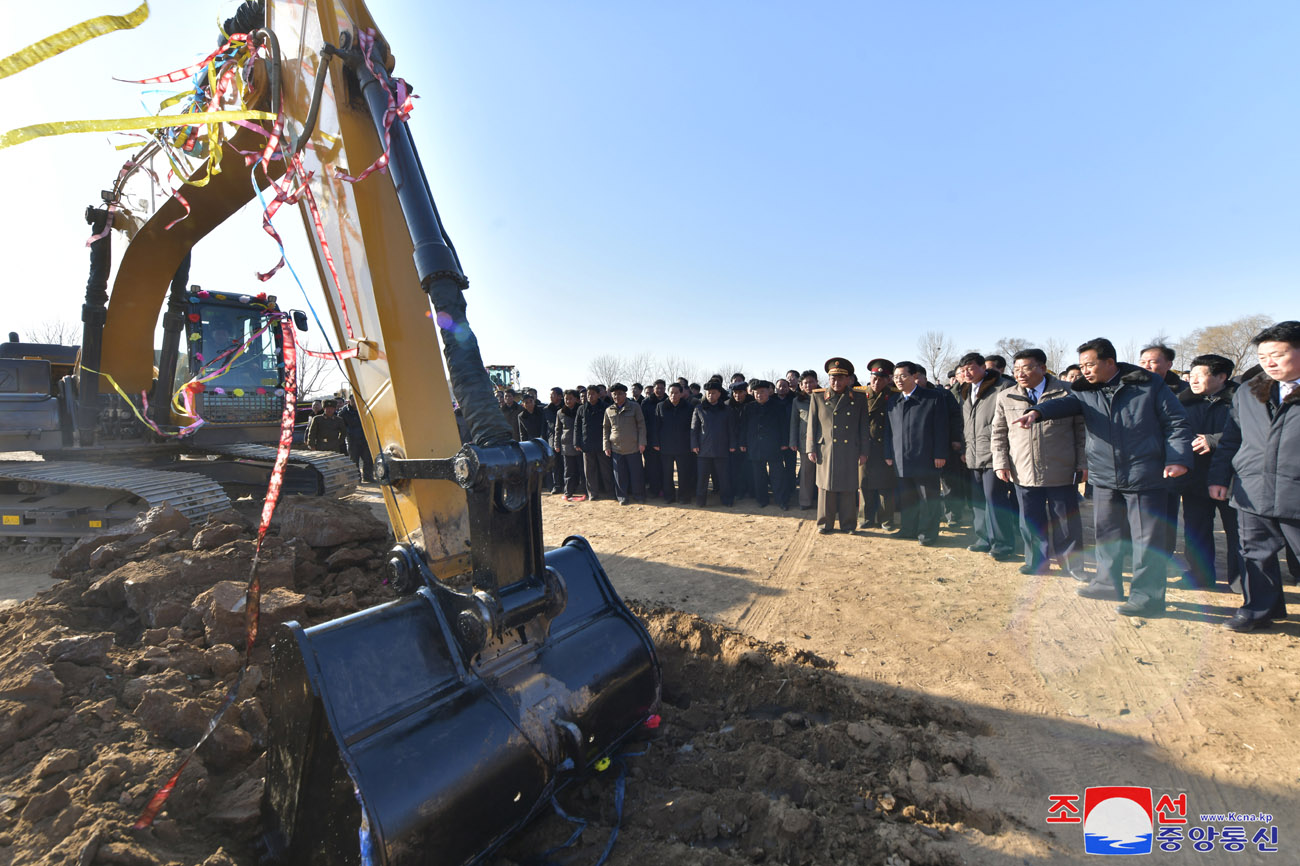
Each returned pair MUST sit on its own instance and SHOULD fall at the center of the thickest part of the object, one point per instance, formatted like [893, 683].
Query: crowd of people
[1003, 453]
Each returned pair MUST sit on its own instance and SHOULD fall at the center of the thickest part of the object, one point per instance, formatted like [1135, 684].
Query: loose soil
[844, 699]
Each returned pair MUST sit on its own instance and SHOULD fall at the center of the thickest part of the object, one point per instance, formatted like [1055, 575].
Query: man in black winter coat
[672, 442]
[555, 478]
[764, 440]
[530, 423]
[1208, 402]
[917, 446]
[597, 468]
[1138, 441]
[741, 480]
[713, 439]
[1261, 445]
[654, 474]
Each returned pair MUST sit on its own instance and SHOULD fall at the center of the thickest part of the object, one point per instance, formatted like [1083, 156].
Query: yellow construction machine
[427, 729]
[121, 426]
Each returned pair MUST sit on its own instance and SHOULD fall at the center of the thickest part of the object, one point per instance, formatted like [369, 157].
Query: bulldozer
[430, 728]
[122, 427]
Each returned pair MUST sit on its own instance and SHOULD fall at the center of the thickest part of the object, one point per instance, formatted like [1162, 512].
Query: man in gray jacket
[624, 438]
[1044, 462]
[993, 500]
[1138, 441]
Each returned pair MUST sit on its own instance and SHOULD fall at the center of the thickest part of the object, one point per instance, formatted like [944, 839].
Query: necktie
[1033, 397]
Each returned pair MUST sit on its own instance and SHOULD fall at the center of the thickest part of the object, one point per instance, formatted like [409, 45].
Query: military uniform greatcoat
[839, 434]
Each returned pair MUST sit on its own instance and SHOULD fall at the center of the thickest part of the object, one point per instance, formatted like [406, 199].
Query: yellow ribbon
[161, 121]
[60, 42]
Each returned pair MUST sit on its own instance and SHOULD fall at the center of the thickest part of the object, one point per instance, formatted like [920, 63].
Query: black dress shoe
[1004, 555]
[1185, 583]
[927, 540]
[1032, 569]
[904, 535]
[1245, 622]
[825, 530]
[1077, 575]
[1133, 608]
[979, 547]
[1093, 590]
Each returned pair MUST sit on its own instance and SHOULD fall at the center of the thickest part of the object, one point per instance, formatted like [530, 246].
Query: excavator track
[334, 476]
[80, 498]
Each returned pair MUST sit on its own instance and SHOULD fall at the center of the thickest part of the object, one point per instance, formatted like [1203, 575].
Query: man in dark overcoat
[1260, 446]
[1138, 442]
[839, 441]
[917, 446]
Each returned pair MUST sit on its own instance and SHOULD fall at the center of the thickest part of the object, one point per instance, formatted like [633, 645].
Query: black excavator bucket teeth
[446, 754]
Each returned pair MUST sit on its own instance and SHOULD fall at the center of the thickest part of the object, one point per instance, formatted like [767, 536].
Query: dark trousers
[878, 504]
[741, 481]
[684, 464]
[994, 510]
[359, 454]
[1050, 523]
[838, 504]
[1144, 514]
[654, 473]
[955, 487]
[720, 469]
[765, 472]
[599, 471]
[807, 482]
[629, 476]
[1198, 540]
[918, 500]
[572, 473]
[789, 466]
[1262, 539]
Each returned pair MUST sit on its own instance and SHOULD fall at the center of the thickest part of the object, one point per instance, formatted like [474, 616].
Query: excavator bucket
[380, 720]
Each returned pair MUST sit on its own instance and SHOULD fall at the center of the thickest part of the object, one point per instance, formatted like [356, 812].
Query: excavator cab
[234, 347]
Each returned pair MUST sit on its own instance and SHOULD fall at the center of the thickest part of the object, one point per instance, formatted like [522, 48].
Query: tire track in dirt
[785, 576]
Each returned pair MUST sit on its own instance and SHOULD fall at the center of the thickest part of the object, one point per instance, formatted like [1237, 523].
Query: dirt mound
[764, 754]
[110, 676]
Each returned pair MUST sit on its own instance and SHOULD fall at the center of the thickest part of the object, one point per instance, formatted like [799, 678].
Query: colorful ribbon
[52, 46]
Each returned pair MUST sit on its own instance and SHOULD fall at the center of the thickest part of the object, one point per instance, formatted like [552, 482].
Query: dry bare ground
[845, 699]
[1065, 693]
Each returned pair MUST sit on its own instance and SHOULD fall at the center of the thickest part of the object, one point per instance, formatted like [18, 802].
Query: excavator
[102, 415]
[430, 728]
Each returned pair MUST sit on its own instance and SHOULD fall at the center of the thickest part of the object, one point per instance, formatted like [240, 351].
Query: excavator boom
[439, 723]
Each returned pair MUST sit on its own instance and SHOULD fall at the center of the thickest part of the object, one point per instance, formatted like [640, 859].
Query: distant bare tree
[58, 331]
[935, 350]
[1008, 346]
[1131, 352]
[1231, 339]
[727, 368]
[317, 376]
[639, 368]
[1055, 349]
[605, 369]
[672, 366]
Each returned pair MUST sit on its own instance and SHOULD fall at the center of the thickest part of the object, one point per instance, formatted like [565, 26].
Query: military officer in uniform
[839, 441]
[879, 480]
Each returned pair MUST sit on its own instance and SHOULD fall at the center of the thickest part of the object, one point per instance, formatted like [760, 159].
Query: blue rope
[620, 792]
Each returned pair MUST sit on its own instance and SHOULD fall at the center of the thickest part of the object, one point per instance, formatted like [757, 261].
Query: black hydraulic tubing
[437, 266]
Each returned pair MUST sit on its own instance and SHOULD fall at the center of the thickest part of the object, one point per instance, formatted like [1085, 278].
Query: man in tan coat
[1044, 462]
[839, 441]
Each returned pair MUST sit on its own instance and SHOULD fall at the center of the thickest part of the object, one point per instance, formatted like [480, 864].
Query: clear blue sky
[751, 183]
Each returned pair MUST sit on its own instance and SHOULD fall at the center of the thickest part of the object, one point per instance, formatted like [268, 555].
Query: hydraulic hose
[435, 262]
